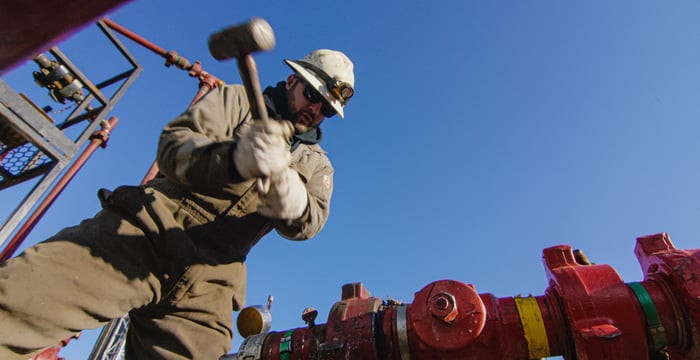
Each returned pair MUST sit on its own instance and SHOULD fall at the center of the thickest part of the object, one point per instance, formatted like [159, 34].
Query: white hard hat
[330, 72]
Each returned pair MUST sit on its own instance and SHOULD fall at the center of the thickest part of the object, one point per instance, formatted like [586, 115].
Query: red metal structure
[587, 312]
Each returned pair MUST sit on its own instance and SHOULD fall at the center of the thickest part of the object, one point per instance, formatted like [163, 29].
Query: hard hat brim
[317, 83]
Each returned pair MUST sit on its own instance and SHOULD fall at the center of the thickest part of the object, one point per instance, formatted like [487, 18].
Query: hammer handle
[249, 76]
[251, 82]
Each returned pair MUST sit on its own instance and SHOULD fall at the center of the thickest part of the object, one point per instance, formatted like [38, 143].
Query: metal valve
[255, 320]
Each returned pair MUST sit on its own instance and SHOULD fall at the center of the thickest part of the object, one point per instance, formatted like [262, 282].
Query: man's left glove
[287, 198]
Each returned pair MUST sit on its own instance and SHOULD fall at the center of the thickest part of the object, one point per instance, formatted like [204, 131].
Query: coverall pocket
[210, 288]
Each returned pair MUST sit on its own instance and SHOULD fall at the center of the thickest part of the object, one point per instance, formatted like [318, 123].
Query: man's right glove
[263, 149]
[287, 198]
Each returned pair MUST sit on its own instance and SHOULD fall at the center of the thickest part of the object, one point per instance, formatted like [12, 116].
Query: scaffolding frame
[50, 150]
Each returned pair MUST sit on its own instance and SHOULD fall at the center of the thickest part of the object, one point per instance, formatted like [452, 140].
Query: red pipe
[99, 138]
[171, 57]
[207, 81]
[151, 173]
[133, 36]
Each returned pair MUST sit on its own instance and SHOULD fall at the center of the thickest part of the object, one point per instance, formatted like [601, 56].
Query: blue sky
[480, 134]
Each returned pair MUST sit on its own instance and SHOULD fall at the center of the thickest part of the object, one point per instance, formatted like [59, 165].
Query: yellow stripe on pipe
[533, 327]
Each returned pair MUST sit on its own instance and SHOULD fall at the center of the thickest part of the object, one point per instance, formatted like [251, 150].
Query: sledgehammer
[240, 42]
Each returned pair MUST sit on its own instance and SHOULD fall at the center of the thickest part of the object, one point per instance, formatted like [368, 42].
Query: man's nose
[315, 107]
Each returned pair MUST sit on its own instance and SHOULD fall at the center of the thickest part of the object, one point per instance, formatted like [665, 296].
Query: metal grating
[25, 159]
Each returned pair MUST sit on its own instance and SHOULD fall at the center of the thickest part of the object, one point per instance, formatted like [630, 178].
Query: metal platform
[35, 146]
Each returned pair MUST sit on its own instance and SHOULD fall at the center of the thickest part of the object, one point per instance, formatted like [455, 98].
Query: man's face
[305, 114]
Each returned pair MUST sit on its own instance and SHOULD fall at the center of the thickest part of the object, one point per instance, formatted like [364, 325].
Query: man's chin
[300, 128]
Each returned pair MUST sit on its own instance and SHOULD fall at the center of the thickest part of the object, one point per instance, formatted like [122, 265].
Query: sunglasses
[314, 97]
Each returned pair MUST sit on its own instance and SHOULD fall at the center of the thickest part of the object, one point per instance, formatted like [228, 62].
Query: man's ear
[291, 80]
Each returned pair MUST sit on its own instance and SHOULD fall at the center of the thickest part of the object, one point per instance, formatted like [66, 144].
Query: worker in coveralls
[171, 254]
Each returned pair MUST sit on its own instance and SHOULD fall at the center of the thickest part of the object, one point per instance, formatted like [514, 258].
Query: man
[171, 254]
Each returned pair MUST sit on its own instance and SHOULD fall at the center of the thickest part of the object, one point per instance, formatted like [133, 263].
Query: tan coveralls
[170, 254]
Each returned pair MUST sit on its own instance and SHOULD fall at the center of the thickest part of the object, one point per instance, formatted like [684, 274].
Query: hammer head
[243, 39]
